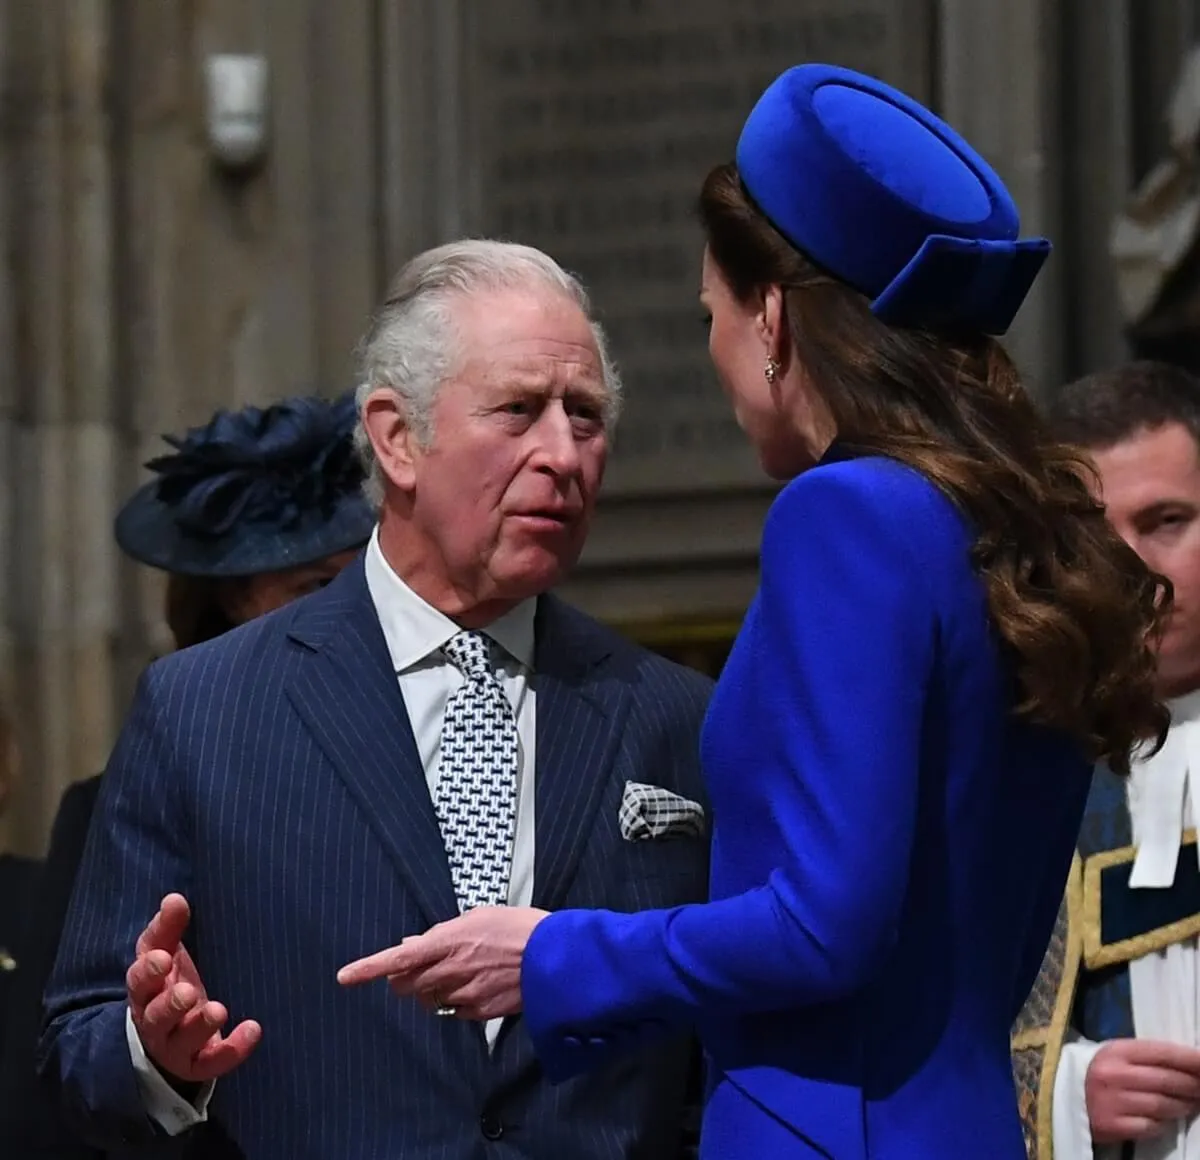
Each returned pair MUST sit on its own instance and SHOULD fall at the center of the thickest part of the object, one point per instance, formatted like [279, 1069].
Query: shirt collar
[1162, 790]
[414, 629]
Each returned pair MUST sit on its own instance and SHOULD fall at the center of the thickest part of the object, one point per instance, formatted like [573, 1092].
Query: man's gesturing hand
[179, 1026]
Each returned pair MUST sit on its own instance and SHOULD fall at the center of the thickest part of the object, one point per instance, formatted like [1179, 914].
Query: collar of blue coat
[888, 198]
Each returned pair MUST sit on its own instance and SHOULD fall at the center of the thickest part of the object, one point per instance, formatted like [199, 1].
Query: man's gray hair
[412, 345]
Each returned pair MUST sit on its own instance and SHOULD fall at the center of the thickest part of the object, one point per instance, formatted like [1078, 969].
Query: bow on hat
[887, 197]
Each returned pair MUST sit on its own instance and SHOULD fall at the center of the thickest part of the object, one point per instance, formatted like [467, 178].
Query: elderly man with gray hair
[431, 732]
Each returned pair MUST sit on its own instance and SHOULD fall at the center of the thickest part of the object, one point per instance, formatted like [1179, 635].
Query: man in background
[1123, 1063]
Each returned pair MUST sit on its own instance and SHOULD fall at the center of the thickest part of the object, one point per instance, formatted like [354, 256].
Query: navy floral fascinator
[255, 490]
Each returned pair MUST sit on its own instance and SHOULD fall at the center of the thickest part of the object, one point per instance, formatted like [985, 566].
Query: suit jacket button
[490, 1126]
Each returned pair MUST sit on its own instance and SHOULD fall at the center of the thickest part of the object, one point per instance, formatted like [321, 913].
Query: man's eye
[1173, 522]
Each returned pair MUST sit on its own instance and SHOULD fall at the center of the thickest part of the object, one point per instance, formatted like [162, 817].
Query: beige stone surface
[142, 287]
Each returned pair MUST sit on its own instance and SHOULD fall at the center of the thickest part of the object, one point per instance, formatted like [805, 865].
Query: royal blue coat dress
[890, 845]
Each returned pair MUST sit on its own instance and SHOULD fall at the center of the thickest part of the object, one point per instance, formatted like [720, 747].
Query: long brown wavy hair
[1077, 609]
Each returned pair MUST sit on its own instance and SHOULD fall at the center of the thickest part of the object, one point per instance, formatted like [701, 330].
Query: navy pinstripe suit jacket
[271, 776]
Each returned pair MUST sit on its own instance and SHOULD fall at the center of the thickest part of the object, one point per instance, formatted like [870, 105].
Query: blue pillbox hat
[888, 198]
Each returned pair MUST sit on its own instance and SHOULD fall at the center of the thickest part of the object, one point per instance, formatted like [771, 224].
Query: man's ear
[391, 437]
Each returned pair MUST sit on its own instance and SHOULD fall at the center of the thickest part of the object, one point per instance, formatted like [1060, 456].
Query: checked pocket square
[648, 811]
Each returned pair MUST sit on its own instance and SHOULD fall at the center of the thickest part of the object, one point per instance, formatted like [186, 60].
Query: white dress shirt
[415, 633]
[1163, 792]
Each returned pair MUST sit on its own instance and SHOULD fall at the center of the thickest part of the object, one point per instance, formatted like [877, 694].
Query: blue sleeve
[134, 854]
[829, 689]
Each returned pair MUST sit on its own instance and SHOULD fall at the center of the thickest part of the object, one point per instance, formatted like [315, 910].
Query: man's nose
[558, 449]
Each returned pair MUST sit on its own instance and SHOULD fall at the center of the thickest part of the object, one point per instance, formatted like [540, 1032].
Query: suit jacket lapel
[350, 699]
[579, 720]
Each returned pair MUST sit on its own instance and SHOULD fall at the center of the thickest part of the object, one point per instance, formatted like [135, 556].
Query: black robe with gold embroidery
[1083, 986]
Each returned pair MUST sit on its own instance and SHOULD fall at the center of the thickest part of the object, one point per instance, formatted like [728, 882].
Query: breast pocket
[666, 871]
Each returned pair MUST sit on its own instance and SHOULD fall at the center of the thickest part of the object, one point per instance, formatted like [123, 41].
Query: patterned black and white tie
[476, 797]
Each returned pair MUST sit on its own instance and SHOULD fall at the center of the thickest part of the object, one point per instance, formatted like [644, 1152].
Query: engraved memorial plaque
[594, 123]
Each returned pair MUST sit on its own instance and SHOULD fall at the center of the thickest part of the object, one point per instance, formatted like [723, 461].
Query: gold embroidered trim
[1049, 1038]
[1097, 953]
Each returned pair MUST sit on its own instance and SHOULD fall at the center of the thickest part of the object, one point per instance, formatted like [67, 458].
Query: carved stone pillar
[60, 592]
[143, 288]
[1000, 87]
[1098, 174]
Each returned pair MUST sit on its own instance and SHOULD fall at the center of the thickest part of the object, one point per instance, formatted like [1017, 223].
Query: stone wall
[143, 286]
